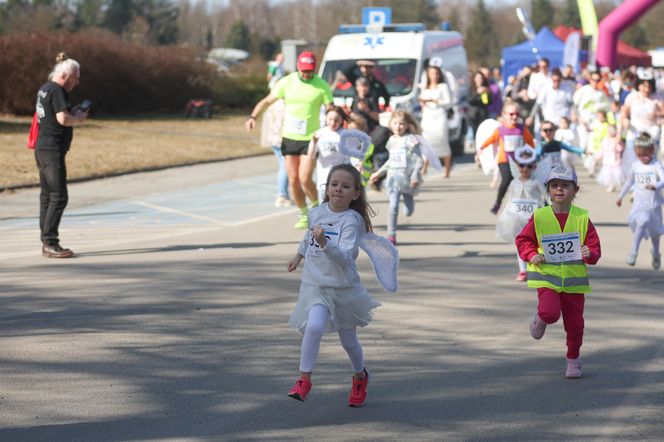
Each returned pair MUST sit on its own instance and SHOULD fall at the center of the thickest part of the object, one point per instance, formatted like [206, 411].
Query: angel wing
[384, 258]
[544, 165]
[429, 153]
[354, 143]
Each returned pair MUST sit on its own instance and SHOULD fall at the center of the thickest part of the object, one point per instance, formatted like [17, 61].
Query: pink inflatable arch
[613, 24]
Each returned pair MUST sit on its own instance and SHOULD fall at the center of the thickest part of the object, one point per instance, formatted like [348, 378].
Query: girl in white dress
[646, 177]
[435, 99]
[525, 193]
[403, 169]
[639, 115]
[611, 175]
[332, 298]
[324, 147]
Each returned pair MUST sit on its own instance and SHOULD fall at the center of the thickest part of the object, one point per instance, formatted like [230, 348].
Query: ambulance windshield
[398, 75]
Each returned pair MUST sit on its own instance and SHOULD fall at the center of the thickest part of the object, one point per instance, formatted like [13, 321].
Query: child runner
[599, 128]
[550, 147]
[558, 241]
[646, 176]
[611, 174]
[324, 147]
[567, 135]
[510, 135]
[526, 193]
[403, 168]
[331, 295]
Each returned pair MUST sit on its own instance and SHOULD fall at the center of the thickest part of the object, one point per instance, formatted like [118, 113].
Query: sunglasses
[547, 129]
[527, 166]
[511, 114]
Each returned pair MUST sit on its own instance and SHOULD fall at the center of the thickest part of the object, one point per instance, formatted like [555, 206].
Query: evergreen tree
[570, 14]
[542, 14]
[480, 40]
[118, 15]
[238, 37]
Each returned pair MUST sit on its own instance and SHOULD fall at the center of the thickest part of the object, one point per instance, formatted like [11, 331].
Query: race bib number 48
[398, 159]
[563, 247]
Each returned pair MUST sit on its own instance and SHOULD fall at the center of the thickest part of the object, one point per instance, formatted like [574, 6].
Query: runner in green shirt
[303, 93]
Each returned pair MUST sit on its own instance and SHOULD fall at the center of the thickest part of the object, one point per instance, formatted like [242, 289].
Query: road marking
[180, 212]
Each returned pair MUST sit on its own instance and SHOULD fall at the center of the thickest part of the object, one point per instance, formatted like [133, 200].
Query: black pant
[53, 197]
[505, 180]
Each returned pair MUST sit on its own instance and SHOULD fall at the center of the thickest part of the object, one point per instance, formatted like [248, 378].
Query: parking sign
[376, 16]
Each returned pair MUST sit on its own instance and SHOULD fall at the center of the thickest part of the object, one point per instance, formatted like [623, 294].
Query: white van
[401, 53]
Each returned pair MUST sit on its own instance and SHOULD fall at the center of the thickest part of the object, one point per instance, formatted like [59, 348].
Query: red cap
[306, 61]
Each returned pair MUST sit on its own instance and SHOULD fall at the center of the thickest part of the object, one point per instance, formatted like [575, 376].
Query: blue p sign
[376, 16]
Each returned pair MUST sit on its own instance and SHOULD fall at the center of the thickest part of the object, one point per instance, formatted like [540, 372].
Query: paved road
[171, 323]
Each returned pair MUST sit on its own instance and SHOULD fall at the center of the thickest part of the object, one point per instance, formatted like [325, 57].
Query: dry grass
[105, 147]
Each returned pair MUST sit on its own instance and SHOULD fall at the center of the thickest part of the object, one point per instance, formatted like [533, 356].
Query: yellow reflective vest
[570, 276]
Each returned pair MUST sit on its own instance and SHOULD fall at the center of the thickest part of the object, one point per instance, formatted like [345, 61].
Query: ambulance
[401, 53]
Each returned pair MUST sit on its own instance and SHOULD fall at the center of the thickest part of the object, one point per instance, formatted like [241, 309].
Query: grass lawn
[111, 146]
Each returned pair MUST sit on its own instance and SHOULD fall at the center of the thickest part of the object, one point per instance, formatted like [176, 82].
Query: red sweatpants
[552, 304]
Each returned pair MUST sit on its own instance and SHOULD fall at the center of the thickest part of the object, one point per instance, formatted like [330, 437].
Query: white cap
[562, 172]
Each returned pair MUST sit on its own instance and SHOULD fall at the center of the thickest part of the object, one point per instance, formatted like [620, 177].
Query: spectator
[56, 117]
[275, 70]
[377, 89]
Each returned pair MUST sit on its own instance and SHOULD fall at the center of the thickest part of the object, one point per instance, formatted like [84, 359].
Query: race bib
[398, 158]
[331, 235]
[643, 179]
[512, 142]
[523, 207]
[294, 125]
[562, 247]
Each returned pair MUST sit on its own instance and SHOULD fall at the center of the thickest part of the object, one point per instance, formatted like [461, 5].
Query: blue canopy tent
[547, 44]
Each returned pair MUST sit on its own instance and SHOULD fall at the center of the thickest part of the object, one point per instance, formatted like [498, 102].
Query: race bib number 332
[563, 247]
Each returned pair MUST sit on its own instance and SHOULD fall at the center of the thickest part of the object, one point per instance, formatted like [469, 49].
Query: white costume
[611, 174]
[434, 118]
[647, 206]
[330, 277]
[326, 151]
[524, 197]
[404, 165]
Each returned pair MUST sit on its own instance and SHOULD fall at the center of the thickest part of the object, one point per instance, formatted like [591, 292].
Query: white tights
[639, 233]
[313, 333]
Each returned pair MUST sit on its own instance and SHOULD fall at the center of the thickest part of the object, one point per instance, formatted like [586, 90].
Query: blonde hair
[413, 127]
[358, 122]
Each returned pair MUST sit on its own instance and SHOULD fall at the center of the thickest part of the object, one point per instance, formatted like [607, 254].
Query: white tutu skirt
[509, 225]
[652, 219]
[611, 176]
[349, 307]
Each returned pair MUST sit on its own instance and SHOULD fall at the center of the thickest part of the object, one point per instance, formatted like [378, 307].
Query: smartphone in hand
[85, 105]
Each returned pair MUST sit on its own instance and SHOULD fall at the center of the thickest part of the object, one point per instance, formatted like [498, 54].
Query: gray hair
[65, 67]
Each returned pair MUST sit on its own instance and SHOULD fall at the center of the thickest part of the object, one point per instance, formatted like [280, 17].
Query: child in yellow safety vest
[557, 243]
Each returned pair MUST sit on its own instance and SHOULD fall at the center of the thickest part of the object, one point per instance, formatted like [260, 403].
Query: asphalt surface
[171, 322]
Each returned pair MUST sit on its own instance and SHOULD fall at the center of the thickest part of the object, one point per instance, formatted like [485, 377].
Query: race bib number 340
[562, 247]
[523, 207]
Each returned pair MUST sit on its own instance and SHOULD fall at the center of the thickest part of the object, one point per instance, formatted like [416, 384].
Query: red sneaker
[358, 393]
[301, 389]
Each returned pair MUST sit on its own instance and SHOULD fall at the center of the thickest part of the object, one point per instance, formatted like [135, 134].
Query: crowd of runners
[548, 123]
